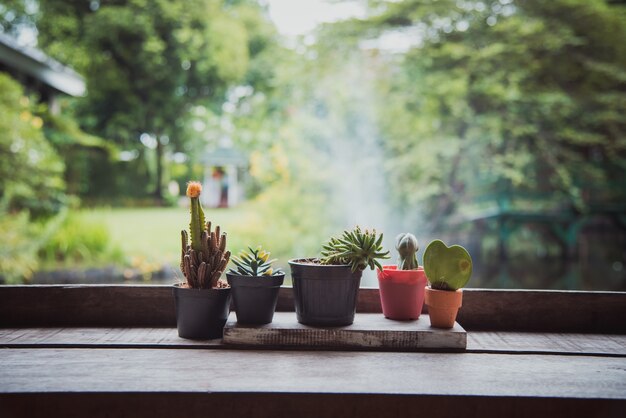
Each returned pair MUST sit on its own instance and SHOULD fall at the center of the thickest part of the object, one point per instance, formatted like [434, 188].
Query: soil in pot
[443, 306]
[254, 297]
[324, 295]
[401, 292]
[201, 313]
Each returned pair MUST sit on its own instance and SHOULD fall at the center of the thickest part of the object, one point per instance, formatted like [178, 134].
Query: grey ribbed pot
[324, 295]
[255, 297]
[201, 313]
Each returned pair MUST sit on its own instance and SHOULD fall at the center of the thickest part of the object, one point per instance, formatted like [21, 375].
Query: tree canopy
[148, 63]
[502, 98]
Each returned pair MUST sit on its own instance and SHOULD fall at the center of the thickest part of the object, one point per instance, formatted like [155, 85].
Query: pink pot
[401, 292]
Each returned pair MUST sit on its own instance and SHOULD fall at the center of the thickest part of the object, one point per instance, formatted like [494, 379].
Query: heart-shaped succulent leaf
[447, 268]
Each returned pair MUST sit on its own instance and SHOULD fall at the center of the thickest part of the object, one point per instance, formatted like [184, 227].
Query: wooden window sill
[114, 351]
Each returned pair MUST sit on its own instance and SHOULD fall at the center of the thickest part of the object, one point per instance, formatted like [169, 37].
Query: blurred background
[498, 124]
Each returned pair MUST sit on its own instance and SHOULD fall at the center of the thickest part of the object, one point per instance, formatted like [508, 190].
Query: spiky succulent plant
[357, 248]
[204, 259]
[447, 268]
[254, 263]
[407, 246]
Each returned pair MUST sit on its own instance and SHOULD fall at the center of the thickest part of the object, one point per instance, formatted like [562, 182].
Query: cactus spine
[204, 258]
[407, 246]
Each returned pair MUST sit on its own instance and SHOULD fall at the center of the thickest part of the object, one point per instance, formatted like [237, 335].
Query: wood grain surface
[202, 371]
[533, 342]
[370, 331]
[300, 405]
[477, 341]
[153, 306]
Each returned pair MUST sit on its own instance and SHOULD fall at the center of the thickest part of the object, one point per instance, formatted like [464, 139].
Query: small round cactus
[407, 247]
[447, 268]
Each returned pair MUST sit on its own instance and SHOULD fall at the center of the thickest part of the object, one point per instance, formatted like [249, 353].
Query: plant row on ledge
[325, 288]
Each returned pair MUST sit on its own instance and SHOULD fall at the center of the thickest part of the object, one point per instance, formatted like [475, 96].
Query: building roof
[35, 63]
[224, 156]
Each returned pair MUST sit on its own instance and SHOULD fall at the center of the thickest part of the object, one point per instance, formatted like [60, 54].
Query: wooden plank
[477, 341]
[100, 337]
[302, 405]
[153, 306]
[227, 371]
[81, 305]
[368, 332]
[543, 310]
[545, 343]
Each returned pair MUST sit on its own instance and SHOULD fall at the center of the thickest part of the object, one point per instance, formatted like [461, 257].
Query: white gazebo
[224, 170]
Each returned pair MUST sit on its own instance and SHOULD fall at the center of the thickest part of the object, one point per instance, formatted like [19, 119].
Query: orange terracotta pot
[401, 292]
[443, 306]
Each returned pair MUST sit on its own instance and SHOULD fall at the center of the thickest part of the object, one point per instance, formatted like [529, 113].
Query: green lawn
[150, 237]
[153, 234]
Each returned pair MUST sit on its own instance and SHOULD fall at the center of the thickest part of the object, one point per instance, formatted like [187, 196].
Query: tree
[148, 62]
[522, 97]
[31, 172]
[31, 182]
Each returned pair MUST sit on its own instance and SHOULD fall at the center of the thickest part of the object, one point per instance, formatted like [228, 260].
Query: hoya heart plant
[447, 268]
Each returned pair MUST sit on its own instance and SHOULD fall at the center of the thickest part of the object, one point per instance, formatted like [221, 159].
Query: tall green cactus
[204, 259]
[197, 223]
[447, 268]
[407, 247]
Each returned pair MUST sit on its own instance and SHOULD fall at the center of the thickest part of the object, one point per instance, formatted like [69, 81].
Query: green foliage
[18, 253]
[79, 242]
[67, 239]
[31, 172]
[447, 268]
[147, 63]
[357, 248]
[254, 263]
[287, 218]
[521, 98]
[407, 247]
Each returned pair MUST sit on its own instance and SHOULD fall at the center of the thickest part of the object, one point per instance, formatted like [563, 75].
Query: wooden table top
[116, 371]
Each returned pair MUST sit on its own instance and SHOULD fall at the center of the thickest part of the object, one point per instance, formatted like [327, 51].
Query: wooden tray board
[372, 332]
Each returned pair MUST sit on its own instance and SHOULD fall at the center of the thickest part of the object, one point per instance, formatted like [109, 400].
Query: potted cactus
[255, 285]
[401, 286]
[448, 270]
[203, 300]
[325, 289]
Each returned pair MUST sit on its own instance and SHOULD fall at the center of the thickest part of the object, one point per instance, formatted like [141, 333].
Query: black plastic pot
[201, 313]
[324, 295]
[255, 297]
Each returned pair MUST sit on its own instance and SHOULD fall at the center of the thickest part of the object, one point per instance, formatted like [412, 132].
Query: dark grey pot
[255, 297]
[324, 295]
[201, 313]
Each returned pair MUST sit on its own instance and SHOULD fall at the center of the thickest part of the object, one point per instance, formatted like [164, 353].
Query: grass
[152, 235]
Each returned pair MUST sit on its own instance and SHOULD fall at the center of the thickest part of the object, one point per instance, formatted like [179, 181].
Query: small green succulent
[357, 248]
[254, 263]
[447, 268]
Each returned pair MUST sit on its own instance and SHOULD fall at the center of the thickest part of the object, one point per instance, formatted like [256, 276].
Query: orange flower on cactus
[194, 188]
